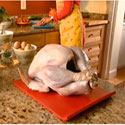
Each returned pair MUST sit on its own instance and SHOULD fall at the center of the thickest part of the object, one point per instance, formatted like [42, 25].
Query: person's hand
[45, 20]
[52, 11]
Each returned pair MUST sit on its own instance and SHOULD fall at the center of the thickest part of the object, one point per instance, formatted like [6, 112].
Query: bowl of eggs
[24, 51]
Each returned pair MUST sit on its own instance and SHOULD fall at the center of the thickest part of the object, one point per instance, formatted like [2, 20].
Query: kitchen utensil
[47, 26]
[65, 107]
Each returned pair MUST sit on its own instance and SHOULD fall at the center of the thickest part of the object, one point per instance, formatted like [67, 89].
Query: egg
[28, 46]
[23, 44]
[20, 49]
[17, 45]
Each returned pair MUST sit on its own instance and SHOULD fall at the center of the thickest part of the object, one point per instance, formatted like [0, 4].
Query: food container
[6, 37]
[25, 56]
[23, 21]
[6, 51]
[5, 24]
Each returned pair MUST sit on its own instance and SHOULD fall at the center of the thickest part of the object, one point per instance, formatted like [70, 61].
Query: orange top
[66, 10]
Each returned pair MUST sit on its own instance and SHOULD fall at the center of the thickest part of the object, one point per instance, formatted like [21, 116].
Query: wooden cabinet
[37, 39]
[94, 46]
[40, 39]
[52, 37]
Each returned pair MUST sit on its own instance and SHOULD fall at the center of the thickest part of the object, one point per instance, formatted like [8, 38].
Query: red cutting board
[65, 107]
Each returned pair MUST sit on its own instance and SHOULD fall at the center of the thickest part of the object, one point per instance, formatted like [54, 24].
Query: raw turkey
[64, 70]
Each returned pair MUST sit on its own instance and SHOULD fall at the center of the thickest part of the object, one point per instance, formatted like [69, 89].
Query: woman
[72, 28]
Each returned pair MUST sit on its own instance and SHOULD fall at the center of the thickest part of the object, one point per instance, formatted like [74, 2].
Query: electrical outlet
[23, 4]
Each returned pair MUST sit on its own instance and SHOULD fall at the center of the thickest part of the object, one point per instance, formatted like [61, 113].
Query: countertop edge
[29, 31]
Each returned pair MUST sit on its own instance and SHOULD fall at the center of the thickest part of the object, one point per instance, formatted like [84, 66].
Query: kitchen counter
[26, 30]
[17, 107]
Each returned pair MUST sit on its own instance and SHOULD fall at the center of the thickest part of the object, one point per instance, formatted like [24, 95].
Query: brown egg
[17, 45]
[23, 44]
[7, 46]
[20, 49]
[28, 46]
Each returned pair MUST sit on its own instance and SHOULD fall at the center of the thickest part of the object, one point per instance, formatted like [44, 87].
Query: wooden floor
[120, 78]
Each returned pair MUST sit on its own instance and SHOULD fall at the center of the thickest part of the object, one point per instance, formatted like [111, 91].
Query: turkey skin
[48, 70]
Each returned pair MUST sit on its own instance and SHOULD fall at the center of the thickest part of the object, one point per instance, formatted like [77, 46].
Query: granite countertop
[17, 107]
[26, 30]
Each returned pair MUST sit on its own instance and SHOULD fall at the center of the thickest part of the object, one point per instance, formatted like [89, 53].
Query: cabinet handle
[89, 49]
[91, 35]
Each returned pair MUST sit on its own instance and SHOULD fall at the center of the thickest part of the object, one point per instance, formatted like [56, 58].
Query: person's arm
[67, 9]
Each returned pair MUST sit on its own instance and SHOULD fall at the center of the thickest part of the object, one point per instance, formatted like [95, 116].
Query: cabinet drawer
[94, 61]
[92, 51]
[95, 68]
[93, 35]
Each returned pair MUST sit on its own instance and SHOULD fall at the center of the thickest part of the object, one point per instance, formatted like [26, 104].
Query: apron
[71, 27]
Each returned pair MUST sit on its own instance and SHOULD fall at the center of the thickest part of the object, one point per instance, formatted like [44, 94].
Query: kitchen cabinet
[37, 39]
[52, 37]
[40, 39]
[94, 45]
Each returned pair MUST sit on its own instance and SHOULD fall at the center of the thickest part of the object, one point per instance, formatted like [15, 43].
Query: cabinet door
[37, 39]
[93, 35]
[92, 50]
[52, 37]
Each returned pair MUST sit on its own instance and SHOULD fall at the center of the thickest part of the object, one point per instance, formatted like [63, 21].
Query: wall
[116, 35]
[37, 7]
[94, 6]
[33, 7]
[121, 62]
[115, 13]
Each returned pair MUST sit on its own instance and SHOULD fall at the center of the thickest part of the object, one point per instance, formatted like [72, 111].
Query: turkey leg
[81, 59]
[56, 77]
[74, 88]
[82, 62]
